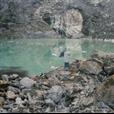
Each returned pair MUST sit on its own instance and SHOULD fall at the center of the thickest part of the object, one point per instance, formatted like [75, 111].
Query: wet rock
[90, 67]
[55, 93]
[11, 95]
[27, 82]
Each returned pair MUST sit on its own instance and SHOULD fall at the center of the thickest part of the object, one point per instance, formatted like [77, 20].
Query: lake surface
[42, 55]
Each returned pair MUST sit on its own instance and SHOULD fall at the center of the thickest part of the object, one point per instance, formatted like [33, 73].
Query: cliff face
[48, 18]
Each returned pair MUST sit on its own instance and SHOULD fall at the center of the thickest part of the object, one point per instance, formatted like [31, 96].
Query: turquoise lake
[42, 55]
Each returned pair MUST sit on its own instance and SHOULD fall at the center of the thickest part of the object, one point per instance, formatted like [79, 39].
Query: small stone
[14, 76]
[64, 72]
[11, 95]
[15, 90]
[39, 93]
[5, 77]
[72, 77]
[30, 98]
[62, 82]
[19, 101]
[27, 82]
[82, 93]
[87, 101]
[4, 84]
[49, 102]
[48, 110]
[7, 107]
[15, 110]
[46, 83]
[1, 101]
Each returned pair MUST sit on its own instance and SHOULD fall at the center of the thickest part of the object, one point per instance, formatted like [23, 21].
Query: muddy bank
[86, 87]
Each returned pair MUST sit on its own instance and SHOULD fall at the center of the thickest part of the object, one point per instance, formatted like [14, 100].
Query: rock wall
[68, 18]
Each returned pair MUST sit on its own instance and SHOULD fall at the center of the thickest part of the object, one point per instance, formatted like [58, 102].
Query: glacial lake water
[42, 55]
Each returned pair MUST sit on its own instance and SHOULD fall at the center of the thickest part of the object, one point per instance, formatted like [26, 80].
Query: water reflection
[42, 55]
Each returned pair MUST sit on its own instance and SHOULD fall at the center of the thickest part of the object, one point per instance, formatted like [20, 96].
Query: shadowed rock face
[24, 18]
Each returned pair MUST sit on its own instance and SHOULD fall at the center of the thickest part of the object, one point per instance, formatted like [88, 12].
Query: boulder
[90, 67]
[27, 82]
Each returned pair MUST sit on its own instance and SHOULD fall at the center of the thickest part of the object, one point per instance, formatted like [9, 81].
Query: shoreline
[59, 90]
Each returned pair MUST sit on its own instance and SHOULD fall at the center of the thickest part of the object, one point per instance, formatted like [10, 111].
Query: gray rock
[14, 76]
[5, 77]
[86, 101]
[15, 90]
[19, 101]
[48, 110]
[49, 102]
[2, 100]
[27, 82]
[3, 110]
[105, 91]
[55, 93]
[11, 95]
[25, 91]
[7, 107]
[90, 67]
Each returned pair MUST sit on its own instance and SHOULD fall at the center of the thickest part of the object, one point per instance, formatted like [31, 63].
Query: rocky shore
[86, 87]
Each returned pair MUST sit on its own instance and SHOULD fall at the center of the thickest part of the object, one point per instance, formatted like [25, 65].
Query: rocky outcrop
[69, 18]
